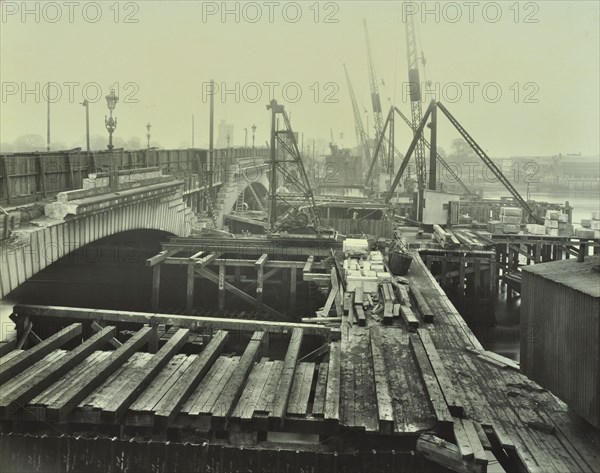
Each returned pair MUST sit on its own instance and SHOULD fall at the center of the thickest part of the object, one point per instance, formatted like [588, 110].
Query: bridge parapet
[34, 176]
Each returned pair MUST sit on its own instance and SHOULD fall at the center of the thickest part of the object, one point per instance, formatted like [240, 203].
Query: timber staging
[104, 390]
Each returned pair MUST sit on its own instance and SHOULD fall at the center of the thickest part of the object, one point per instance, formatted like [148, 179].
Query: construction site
[272, 319]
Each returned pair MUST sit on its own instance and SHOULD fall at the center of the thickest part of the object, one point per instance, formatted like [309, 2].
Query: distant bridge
[86, 197]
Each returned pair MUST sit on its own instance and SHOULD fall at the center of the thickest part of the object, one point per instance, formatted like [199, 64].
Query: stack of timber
[445, 238]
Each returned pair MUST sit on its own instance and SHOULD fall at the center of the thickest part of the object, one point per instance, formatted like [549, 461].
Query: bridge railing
[34, 176]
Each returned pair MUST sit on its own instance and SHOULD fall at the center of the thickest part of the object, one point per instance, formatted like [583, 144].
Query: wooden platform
[432, 385]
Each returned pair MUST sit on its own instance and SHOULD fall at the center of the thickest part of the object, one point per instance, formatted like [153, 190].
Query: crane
[375, 100]
[305, 212]
[415, 99]
[361, 136]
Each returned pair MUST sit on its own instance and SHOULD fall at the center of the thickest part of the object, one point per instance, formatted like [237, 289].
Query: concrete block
[511, 211]
[584, 233]
[551, 223]
[510, 228]
[355, 244]
[536, 229]
[586, 223]
[551, 231]
[511, 219]
[563, 218]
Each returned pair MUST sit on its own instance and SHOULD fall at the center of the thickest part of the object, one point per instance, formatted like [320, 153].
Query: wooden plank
[265, 403]
[475, 442]
[61, 408]
[193, 405]
[287, 375]
[411, 322]
[385, 411]
[96, 327]
[235, 385]
[318, 409]
[205, 260]
[141, 411]
[140, 378]
[455, 407]
[422, 304]
[436, 397]
[463, 442]
[253, 390]
[56, 389]
[445, 454]
[12, 400]
[332, 396]
[28, 357]
[301, 391]
[260, 262]
[168, 408]
[160, 257]
[308, 265]
[7, 346]
[182, 321]
[329, 303]
[361, 318]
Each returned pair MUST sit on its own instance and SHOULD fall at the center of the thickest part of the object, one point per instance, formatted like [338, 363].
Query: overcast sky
[543, 57]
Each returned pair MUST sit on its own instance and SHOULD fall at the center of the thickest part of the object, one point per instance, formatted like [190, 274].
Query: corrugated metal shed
[560, 332]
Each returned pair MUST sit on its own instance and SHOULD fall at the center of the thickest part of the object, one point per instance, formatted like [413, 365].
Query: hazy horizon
[543, 57]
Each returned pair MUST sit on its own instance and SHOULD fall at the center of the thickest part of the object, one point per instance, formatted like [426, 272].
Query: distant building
[223, 131]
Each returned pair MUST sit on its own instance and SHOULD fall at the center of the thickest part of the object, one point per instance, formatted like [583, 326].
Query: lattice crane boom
[415, 98]
[361, 134]
[375, 97]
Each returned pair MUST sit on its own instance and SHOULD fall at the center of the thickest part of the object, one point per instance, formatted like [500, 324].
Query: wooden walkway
[421, 381]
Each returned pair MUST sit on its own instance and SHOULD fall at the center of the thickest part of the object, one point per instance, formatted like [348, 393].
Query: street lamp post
[86, 104]
[110, 122]
[245, 137]
[148, 126]
[253, 135]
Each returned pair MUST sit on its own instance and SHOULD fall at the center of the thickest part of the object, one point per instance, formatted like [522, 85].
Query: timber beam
[195, 323]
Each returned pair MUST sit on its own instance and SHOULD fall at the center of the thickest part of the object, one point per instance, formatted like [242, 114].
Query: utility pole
[273, 161]
[48, 118]
[86, 104]
[211, 130]
[245, 137]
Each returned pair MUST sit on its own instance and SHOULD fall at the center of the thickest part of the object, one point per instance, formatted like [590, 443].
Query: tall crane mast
[361, 135]
[415, 99]
[375, 100]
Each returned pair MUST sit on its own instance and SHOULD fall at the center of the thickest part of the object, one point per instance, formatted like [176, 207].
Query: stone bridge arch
[69, 225]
